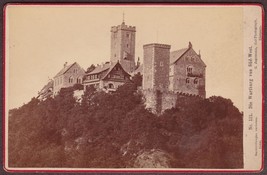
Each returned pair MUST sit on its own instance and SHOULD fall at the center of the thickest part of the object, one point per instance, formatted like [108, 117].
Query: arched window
[71, 80]
[187, 80]
[195, 81]
[79, 80]
[110, 86]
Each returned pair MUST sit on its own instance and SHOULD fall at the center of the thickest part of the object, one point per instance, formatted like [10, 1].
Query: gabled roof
[106, 67]
[47, 86]
[177, 54]
[111, 68]
[65, 69]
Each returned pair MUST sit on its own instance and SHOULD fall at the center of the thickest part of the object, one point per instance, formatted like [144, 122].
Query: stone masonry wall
[178, 80]
[159, 101]
[150, 100]
[168, 100]
[122, 42]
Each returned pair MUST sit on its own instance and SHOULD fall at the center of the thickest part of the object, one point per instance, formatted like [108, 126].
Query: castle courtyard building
[107, 77]
[187, 72]
[68, 76]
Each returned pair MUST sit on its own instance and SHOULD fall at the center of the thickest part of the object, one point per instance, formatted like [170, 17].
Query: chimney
[190, 45]
[138, 62]
[65, 64]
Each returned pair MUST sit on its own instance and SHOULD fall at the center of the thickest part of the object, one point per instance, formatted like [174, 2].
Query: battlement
[123, 27]
[166, 46]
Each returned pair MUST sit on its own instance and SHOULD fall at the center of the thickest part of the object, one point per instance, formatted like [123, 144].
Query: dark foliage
[110, 129]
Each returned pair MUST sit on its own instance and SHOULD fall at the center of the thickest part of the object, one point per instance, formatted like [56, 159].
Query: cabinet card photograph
[133, 88]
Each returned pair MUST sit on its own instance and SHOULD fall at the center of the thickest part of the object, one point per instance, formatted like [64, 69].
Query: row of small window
[117, 76]
[58, 81]
[75, 71]
[192, 59]
[188, 81]
[110, 86]
[78, 80]
[189, 69]
[92, 77]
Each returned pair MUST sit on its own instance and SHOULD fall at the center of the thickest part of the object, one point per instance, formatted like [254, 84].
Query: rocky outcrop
[154, 158]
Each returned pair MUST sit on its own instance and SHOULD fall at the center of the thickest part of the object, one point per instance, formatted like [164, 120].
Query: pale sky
[40, 39]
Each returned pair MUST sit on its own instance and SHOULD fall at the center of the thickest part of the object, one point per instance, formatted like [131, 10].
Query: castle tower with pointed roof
[123, 46]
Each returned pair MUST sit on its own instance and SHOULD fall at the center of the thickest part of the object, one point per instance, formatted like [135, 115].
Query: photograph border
[80, 170]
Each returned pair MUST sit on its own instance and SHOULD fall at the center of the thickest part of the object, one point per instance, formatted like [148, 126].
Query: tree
[137, 79]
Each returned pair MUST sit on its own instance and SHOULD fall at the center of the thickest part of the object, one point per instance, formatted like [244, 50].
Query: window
[128, 35]
[187, 58]
[110, 86]
[71, 80]
[127, 45]
[75, 71]
[195, 81]
[187, 80]
[79, 80]
[189, 70]
[161, 63]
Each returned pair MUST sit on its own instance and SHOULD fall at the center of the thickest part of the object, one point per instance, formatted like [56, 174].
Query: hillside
[114, 130]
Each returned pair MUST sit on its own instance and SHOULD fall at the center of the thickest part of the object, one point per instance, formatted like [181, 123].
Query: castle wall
[159, 101]
[168, 100]
[161, 68]
[156, 66]
[148, 69]
[150, 100]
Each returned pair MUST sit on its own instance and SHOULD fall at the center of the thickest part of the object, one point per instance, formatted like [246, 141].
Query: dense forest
[114, 130]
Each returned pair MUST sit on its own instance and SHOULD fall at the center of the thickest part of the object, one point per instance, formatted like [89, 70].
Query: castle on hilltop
[165, 73]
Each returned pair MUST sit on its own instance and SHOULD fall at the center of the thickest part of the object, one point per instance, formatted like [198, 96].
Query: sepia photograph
[133, 87]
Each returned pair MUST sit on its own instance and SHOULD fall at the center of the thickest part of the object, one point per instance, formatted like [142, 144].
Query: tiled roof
[100, 68]
[175, 55]
[112, 66]
[108, 66]
[47, 87]
[62, 71]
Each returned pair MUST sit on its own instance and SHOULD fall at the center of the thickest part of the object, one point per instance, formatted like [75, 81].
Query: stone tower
[123, 46]
[156, 67]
